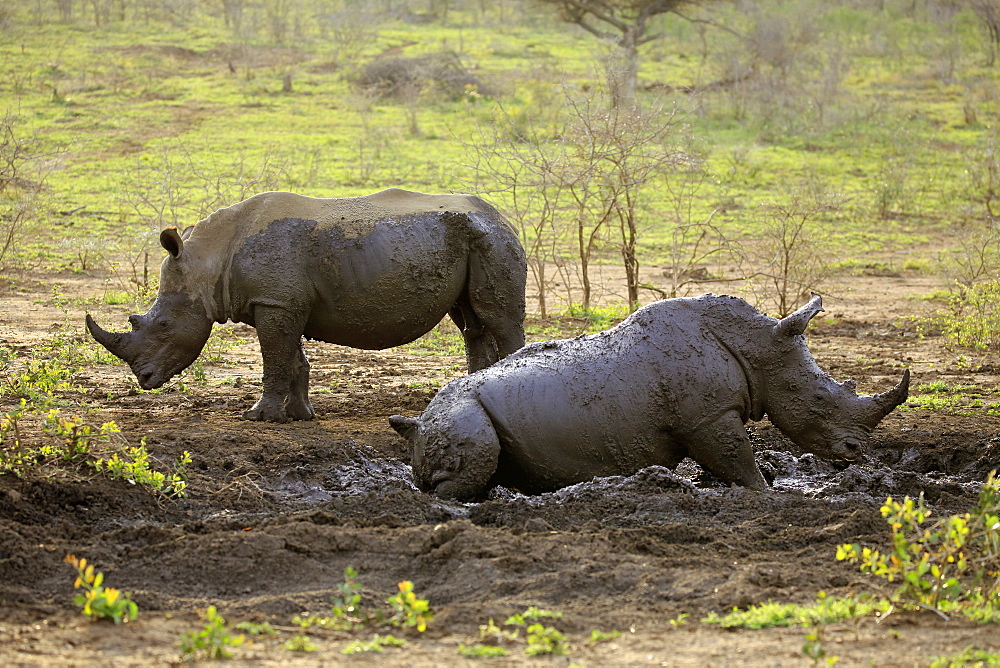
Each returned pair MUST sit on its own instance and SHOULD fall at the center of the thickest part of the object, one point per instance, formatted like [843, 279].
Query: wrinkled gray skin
[680, 377]
[368, 272]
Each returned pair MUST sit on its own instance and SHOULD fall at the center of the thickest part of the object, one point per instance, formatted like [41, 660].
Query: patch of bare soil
[276, 513]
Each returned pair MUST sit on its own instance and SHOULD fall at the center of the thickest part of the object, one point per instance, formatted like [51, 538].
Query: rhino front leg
[723, 448]
[298, 406]
[285, 368]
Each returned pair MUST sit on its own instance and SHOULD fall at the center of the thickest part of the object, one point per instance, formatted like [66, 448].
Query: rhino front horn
[894, 397]
[115, 342]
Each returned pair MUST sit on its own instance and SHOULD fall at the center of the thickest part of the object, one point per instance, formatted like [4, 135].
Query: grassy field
[874, 126]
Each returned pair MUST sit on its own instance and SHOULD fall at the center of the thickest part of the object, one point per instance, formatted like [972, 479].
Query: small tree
[22, 178]
[789, 253]
[626, 25]
[620, 151]
[517, 167]
[176, 189]
[579, 184]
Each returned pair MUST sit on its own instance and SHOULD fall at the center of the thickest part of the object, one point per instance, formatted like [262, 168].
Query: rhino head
[169, 337]
[454, 451]
[819, 414]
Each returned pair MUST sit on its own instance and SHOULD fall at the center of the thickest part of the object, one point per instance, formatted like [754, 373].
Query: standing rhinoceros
[679, 377]
[367, 272]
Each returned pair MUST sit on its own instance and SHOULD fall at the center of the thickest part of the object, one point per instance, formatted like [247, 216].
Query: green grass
[154, 110]
[766, 615]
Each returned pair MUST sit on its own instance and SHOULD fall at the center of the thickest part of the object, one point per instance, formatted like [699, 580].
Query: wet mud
[276, 512]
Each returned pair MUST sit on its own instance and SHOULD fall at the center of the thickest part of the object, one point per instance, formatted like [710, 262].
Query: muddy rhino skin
[679, 377]
[368, 272]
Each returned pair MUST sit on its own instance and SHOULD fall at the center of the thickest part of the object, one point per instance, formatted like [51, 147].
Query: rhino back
[379, 290]
[609, 403]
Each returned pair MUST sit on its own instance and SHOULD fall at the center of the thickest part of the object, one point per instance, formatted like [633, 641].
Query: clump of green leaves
[825, 610]
[300, 642]
[545, 640]
[35, 380]
[951, 564]
[952, 398]
[541, 639]
[255, 628]
[814, 649]
[409, 609]
[376, 644]
[969, 656]
[71, 441]
[68, 443]
[678, 621]
[597, 636]
[98, 601]
[480, 651]
[213, 641]
[344, 607]
[132, 464]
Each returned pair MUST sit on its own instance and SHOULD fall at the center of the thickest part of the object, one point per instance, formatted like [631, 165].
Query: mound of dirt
[275, 513]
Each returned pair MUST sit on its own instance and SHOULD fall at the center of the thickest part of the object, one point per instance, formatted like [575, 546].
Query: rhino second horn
[115, 342]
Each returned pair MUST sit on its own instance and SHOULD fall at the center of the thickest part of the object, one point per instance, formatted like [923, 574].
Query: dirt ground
[275, 513]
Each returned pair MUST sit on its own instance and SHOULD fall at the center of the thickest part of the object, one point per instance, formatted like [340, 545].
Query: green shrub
[98, 601]
[213, 640]
[972, 318]
[952, 564]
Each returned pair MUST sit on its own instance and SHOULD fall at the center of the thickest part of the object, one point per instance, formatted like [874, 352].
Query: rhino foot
[267, 411]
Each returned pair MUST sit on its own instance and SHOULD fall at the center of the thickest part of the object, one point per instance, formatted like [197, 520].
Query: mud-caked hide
[678, 378]
[368, 272]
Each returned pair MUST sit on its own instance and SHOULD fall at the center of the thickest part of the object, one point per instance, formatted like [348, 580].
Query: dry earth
[276, 512]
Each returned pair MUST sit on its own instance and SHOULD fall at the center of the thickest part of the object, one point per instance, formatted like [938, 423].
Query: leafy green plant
[98, 601]
[376, 644]
[256, 629]
[532, 614]
[951, 398]
[300, 642]
[827, 609]
[951, 564]
[597, 636]
[678, 621]
[545, 640]
[213, 641]
[132, 464]
[540, 639]
[35, 379]
[409, 609]
[479, 651]
[350, 594]
[490, 631]
[970, 656]
[814, 649]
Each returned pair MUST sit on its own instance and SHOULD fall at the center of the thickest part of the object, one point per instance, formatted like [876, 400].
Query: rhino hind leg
[490, 312]
[723, 448]
[285, 368]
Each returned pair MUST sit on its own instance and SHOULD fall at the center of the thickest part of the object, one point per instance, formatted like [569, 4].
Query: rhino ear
[404, 426]
[795, 323]
[171, 241]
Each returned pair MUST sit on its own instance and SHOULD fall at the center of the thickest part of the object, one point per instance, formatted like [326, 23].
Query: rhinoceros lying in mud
[367, 272]
[679, 377]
